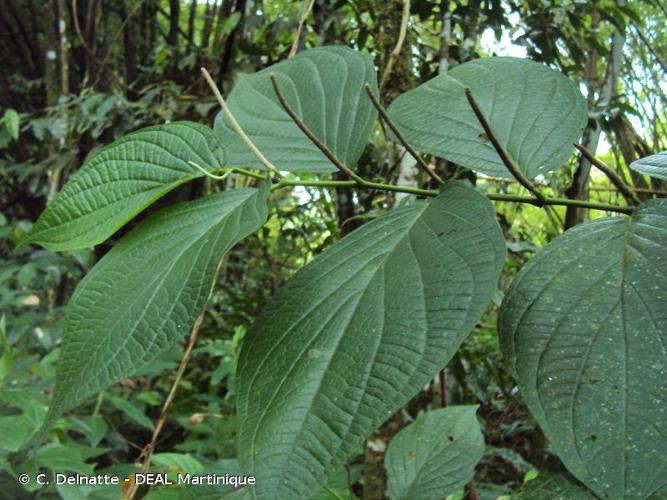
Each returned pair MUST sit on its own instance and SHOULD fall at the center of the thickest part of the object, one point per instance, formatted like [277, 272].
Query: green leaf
[352, 336]
[122, 179]
[94, 427]
[535, 112]
[12, 123]
[146, 293]
[62, 458]
[16, 431]
[178, 462]
[552, 486]
[584, 328]
[133, 412]
[653, 166]
[435, 455]
[325, 86]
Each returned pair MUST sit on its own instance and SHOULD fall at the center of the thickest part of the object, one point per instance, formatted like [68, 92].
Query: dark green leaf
[357, 332]
[584, 328]
[435, 455]
[146, 293]
[325, 86]
[122, 179]
[535, 112]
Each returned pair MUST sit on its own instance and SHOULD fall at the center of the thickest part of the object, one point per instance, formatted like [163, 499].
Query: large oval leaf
[584, 327]
[435, 455]
[121, 180]
[146, 293]
[653, 166]
[357, 332]
[535, 112]
[325, 86]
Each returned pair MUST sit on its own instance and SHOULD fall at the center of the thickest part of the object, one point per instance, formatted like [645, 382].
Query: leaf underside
[653, 166]
[535, 112]
[122, 179]
[325, 86]
[435, 455]
[352, 336]
[584, 327]
[146, 293]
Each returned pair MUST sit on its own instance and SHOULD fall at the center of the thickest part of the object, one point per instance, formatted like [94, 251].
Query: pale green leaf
[584, 328]
[653, 166]
[177, 462]
[12, 123]
[435, 455]
[325, 86]
[535, 112]
[62, 458]
[351, 337]
[16, 431]
[146, 293]
[122, 179]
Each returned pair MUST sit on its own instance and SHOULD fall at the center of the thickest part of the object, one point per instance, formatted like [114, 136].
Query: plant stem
[405, 17]
[366, 184]
[625, 190]
[432, 192]
[401, 139]
[313, 138]
[235, 125]
[147, 453]
[307, 7]
[504, 155]
[567, 202]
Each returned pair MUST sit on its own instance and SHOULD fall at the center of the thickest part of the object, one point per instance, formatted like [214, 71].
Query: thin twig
[147, 454]
[77, 28]
[320, 145]
[307, 7]
[624, 189]
[650, 48]
[472, 490]
[530, 200]
[235, 125]
[504, 155]
[114, 43]
[383, 114]
[405, 16]
[226, 172]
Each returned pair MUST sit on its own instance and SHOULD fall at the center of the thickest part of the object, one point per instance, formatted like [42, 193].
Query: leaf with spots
[552, 486]
[121, 180]
[535, 112]
[325, 86]
[356, 333]
[435, 455]
[145, 294]
[584, 328]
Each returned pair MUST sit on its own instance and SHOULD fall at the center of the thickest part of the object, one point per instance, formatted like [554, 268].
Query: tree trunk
[191, 23]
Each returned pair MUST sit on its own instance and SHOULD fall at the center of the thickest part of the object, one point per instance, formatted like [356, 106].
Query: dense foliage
[210, 299]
